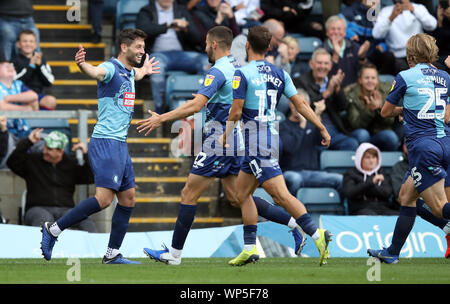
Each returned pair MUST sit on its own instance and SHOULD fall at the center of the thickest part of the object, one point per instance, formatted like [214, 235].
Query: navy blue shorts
[262, 168]
[428, 161]
[111, 164]
[216, 166]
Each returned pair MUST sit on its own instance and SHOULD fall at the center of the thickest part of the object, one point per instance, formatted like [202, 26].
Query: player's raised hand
[80, 56]
[326, 138]
[151, 123]
[149, 66]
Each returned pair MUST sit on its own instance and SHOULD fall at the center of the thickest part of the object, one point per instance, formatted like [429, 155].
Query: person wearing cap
[50, 176]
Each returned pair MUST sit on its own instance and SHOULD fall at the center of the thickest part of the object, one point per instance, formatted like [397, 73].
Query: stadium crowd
[343, 80]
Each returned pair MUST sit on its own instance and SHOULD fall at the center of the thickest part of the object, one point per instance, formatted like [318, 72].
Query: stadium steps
[51, 13]
[159, 177]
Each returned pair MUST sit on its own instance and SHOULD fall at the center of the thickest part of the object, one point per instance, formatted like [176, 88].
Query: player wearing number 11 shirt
[257, 88]
[421, 95]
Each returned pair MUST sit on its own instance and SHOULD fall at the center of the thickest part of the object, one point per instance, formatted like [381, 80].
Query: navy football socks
[306, 223]
[183, 225]
[79, 213]
[271, 212]
[119, 225]
[403, 227]
[250, 234]
[426, 214]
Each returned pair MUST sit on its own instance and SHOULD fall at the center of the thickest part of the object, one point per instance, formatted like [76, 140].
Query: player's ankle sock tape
[271, 212]
[446, 211]
[183, 225]
[306, 223]
[79, 213]
[250, 234]
[403, 226]
[426, 214]
[119, 225]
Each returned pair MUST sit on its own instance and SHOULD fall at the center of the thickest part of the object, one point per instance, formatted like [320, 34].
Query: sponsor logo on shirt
[208, 80]
[128, 99]
[236, 82]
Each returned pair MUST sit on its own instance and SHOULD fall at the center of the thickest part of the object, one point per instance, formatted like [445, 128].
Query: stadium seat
[180, 87]
[337, 161]
[386, 78]
[389, 159]
[50, 125]
[323, 200]
[307, 46]
[127, 11]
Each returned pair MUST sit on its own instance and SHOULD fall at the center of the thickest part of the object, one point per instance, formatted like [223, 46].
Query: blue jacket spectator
[300, 152]
[174, 40]
[15, 16]
[359, 29]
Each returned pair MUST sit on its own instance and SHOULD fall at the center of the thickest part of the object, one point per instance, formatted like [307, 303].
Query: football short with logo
[216, 166]
[428, 161]
[263, 168]
[111, 164]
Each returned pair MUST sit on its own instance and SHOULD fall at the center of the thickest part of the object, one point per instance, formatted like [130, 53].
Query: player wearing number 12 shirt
[213, 161]
[421, 95]
[257, 88]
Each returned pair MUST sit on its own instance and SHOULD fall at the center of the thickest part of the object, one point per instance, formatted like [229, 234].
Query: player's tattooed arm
[97, 73]
[390, 110]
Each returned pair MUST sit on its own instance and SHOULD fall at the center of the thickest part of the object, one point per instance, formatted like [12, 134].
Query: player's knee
[50, 102]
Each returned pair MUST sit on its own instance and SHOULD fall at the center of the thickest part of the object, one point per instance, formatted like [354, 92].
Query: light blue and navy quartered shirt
[423, 90]
[261, 85]
[18, 126]
[217, 87]
[116, 94]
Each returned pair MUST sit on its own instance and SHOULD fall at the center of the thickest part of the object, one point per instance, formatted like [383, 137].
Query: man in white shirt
[397, 23]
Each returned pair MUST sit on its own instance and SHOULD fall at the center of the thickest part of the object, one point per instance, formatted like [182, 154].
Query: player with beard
[108, 151]
[213, 161]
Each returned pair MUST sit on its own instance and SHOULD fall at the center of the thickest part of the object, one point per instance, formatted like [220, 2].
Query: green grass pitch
[216, 271]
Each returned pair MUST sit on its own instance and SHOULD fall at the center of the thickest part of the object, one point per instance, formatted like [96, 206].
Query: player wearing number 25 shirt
[423, 90]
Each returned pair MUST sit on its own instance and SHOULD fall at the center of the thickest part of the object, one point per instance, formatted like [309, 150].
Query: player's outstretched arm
[187, 109]
[97, 73]
[148, 68]
[390, 110]
[305, 109]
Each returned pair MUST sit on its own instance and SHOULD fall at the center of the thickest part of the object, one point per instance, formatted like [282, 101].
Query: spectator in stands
[366, 98]
[367, 186]
[397, 23]
[174, 40]
[359, 29]
[7, 142]
[319, 86]
[95, 16]
[215, 12]
[347, 55]
[295, 15]
[15, 16]
[300, 151]
[247, 12]
[287, 54]
[50, 177]
[33, 70]
[191, 4]
[442, 33]
[15, 96]
[275, 28]
[333, 7]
